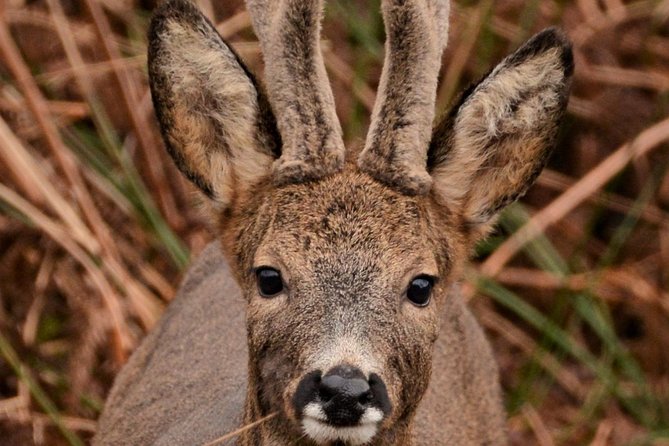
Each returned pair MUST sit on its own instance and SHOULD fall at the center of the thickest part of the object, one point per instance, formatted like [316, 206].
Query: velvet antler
[395, 152]
[298, 87]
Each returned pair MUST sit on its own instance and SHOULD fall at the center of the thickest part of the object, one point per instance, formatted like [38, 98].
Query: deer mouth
[317, 425]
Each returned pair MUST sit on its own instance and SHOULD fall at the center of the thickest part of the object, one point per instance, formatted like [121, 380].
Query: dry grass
[96, 225]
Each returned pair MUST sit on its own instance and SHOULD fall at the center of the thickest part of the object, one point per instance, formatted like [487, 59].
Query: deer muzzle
[341, 405]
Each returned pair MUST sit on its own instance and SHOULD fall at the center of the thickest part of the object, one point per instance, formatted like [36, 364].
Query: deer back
[186, 382]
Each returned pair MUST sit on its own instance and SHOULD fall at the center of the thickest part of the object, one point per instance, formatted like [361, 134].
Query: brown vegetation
[96, 225]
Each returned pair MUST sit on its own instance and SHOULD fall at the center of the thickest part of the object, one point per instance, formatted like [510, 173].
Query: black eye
[420, 290]
[269, 281]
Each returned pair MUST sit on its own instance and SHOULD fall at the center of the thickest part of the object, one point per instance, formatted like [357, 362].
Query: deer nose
[335, 386]
[342, 397]
[345, 394]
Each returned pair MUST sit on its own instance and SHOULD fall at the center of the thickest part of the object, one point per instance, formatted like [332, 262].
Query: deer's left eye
[420, 290]
[269, 281]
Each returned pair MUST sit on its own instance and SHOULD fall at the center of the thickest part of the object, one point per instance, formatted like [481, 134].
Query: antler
[298, 87]
[395, 152]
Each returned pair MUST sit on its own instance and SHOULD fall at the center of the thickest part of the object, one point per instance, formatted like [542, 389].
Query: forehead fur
[348, 213]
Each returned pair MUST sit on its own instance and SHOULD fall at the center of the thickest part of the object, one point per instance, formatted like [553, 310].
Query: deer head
[346, 257]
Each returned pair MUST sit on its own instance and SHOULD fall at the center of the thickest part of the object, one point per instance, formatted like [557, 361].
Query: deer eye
[269, 281]
[420, 290]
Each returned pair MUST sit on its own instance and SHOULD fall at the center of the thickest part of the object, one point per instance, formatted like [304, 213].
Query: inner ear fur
[215, 120]
[490, 148]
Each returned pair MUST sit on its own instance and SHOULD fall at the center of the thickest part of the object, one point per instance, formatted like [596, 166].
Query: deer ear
[216, 123]
[491, 147]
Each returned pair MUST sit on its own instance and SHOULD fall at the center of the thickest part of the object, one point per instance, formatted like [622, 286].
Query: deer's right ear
[216, 122]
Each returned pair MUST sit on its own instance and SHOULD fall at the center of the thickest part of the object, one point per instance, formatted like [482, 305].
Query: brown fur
[208, 104]
[337, 242]
[186, 384]
[489, 149]
[347, 245]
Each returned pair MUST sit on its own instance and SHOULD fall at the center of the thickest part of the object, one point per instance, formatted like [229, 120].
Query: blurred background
[97, 226]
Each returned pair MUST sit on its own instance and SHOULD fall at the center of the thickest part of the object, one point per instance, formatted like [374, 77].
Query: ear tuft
[216, 123]
[547, 40]
[489, 150]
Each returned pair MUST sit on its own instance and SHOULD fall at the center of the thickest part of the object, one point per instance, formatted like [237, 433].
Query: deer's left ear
[490, 148]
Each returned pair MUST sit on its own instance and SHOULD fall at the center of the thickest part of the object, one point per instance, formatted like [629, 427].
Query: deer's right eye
[269, 281]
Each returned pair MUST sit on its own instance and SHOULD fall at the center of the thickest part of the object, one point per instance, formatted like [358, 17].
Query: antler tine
[298, 88]
[395, 152]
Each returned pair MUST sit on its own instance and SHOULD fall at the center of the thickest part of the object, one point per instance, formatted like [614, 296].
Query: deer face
[345, 265]
[344, 288]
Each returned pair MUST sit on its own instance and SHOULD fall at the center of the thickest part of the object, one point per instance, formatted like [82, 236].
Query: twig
[537, 425]
[650, 213]
[517, 337]
[593, 25]
[241, 430]
[30, 326]
[234, 24]
[143, 131]
[40, 110]
[603, 434]
[626, 77]
[458, 62]
[60, 236]
[24, 165]
[346, 74]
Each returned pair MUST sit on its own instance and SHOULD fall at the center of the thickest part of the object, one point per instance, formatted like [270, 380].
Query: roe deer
[330, 298]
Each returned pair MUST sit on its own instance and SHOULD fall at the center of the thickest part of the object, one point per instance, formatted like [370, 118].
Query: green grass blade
[550, 329]
[120, 173]
[36, 391]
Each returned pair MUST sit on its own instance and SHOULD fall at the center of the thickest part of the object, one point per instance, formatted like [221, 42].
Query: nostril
[307, 389]
[325, 393]
[380, 393]
[366, 398]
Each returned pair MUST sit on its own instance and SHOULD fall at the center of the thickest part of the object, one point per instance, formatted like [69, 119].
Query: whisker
[299, 438]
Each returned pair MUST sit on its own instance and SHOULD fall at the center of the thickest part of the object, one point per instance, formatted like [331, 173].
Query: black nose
[353, 389]
[345, 394]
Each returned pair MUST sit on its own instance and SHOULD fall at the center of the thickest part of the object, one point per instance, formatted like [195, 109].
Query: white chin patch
[316, 427]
